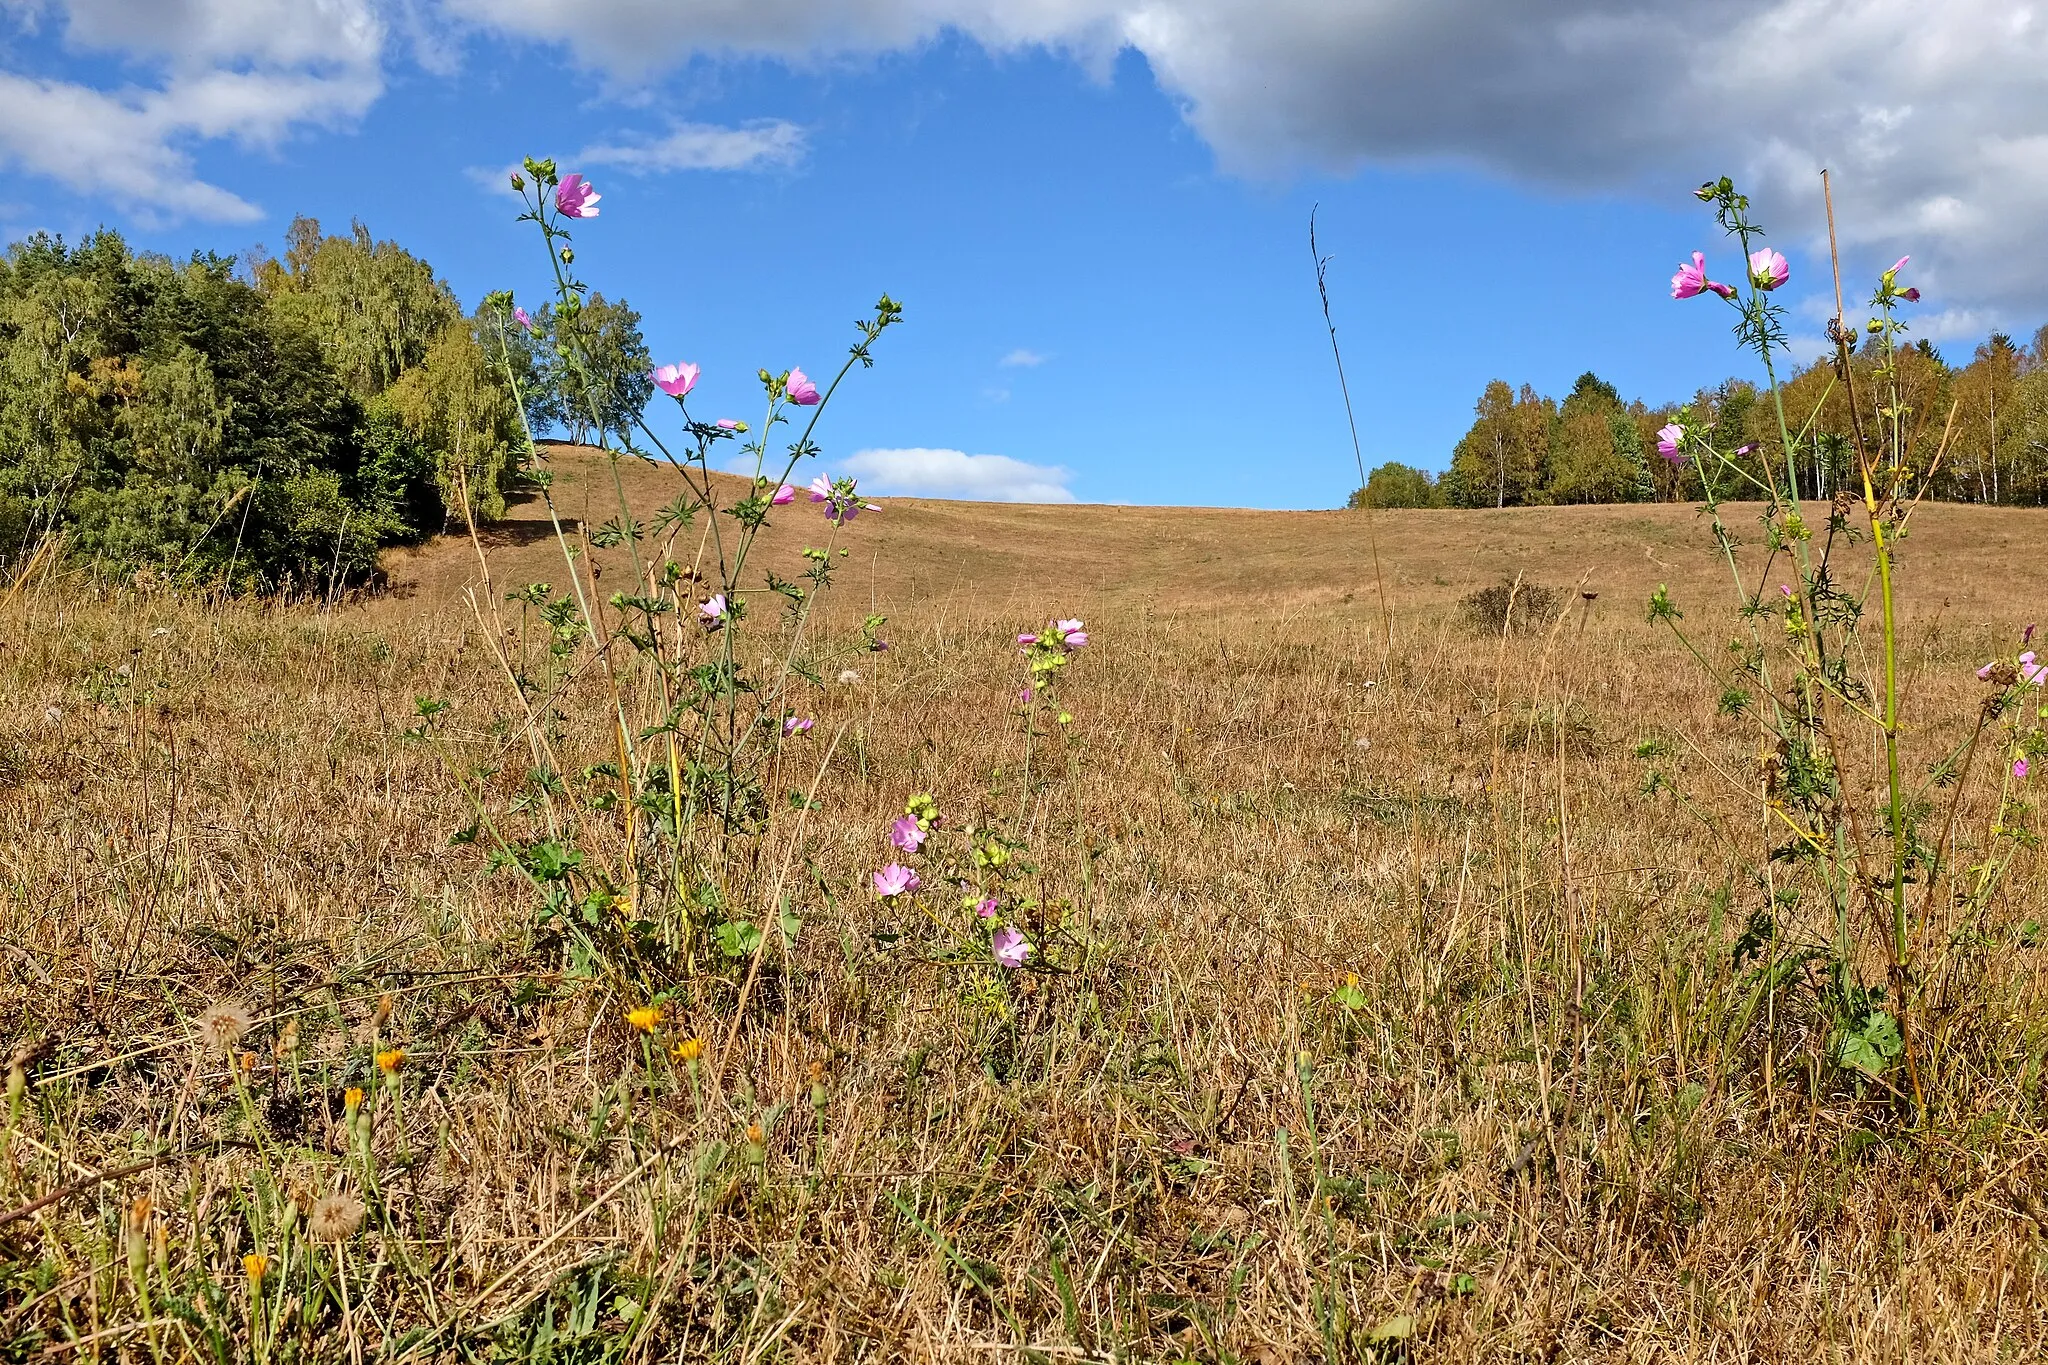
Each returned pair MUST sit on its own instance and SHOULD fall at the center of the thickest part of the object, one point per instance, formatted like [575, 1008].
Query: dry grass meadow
[1550, 1119]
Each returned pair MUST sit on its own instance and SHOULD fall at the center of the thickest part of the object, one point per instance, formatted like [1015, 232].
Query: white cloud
[247, 70]
[687, 147]
[1934, 117]
[920, 472]
[1022, 358]
[703, 147]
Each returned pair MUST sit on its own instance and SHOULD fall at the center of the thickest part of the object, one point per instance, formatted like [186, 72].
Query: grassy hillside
[1390, 998]
[1006, 558]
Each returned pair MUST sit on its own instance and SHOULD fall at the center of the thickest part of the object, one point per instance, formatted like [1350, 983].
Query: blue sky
[1102, 257]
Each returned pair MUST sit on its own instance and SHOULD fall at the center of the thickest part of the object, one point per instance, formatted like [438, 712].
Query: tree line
[1981, 428]
[271, 423]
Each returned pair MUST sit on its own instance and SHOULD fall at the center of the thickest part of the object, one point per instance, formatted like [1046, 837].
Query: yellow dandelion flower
[646, 1018]
[256, 1265]
[388, 1062]
[352, 1098]
[755, 1135]
[689, 1050]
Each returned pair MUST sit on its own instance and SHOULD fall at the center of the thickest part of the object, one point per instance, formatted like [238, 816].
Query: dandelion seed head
[221, 1025]
[335, 1217]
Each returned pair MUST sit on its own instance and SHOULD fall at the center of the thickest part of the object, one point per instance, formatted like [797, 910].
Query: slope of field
[1009, 559]
[1446, 998]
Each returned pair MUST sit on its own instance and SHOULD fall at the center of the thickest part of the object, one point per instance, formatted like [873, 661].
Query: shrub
[1512, 608]
[1397, 485]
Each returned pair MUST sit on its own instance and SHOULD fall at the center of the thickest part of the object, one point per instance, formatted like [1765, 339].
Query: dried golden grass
[1542, 1091]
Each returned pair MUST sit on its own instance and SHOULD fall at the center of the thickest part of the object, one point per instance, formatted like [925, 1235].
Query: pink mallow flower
[842, 504]
[1671, 442]
[675, 380]
[1071, 634]
[2019, 767]
[1009, 947]
[575, 198]
[523, 318]
[796, 725]
[1891, 278]
[905, 833]
[1767, 269]
[713, 612]
[2035, 673]
[894, 880]
[1984, 673]
[730, 424]
[988, 907]
[1692, 279]
[801, 390]
[784, 496]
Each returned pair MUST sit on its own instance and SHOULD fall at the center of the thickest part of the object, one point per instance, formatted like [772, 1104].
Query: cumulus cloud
[250, 71]
[1933, 117]
[1022, 359]
[920, 472]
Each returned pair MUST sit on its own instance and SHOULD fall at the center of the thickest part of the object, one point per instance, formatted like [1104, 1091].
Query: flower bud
[518, 181]
[137, 1231]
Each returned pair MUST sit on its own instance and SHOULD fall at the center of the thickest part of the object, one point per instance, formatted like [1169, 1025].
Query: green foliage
[1504, 459]
[1397, 485]
[269, 433]
[1590, 460]
[591, 368]
[455, 406]
[376, 308]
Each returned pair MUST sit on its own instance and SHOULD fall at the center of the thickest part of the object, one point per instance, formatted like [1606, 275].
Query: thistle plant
[1826, 698]
[645, 866]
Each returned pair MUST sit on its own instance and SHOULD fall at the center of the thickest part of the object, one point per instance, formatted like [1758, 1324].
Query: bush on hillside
[1512, 608]
[1397, 485]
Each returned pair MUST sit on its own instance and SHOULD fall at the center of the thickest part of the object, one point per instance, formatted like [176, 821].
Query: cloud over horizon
[923, 472]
